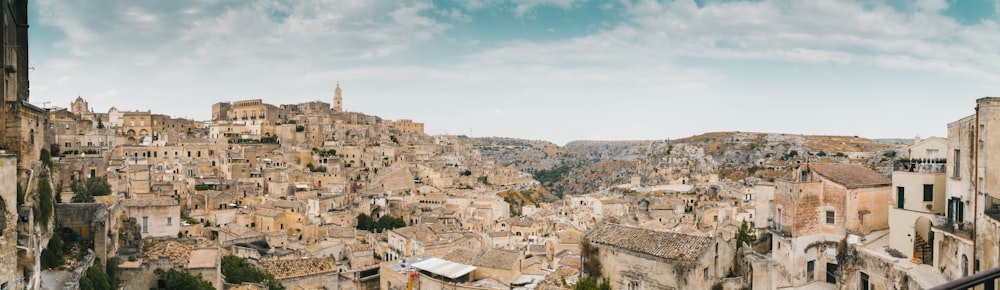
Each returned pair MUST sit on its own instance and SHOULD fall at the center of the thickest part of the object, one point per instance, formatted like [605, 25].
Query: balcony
[920, 165]
[778, 230]
[961, 230]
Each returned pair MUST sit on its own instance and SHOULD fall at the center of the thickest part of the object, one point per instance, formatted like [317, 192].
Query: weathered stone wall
[868, 209]
[623, 267]
[80, 217]
[8, 232]
[143, 276]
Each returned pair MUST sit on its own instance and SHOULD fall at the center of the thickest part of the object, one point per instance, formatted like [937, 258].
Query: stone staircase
[922, 249]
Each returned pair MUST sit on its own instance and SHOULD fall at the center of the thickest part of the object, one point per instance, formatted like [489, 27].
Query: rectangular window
[191, 172]
[189, 153]
[69, 144]
[957, 162]
[170, 221]
[900, 196]
[830, 217]
[928, 192]
[154, 153]
[199, 153]
[145, 224]
[864, 285]
[932, 153]
[810, 269]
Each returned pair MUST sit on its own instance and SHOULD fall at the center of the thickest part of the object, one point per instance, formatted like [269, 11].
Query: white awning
[444, 268]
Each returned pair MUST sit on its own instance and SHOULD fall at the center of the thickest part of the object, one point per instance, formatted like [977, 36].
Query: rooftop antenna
[45, 105]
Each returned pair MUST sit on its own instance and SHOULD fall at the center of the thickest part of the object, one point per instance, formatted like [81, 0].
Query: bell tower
[338, 100]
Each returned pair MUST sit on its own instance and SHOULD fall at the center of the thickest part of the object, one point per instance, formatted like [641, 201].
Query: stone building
[967, 242]
[918, 199]
[338, 100]
[22, 125]
[9, 274]
[822, 205]
[157, 217]
[635, 258]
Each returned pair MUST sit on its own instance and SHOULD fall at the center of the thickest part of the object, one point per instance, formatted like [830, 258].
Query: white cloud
[522, 7]
[172, 56]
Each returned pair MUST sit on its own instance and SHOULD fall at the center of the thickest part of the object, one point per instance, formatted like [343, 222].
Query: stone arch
[922, 240]
[130, 133]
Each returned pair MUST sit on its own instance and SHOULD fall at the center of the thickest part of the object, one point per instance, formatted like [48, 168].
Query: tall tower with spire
[338, 100]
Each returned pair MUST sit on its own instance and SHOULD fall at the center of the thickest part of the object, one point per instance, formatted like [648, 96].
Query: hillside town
[318, 197]
[313, 195]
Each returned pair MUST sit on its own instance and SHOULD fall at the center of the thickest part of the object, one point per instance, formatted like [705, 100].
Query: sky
[556, 70]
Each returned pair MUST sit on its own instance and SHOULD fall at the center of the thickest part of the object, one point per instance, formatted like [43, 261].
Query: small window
[958, 162]
[864, 284]
[810, 269]
[928, 192]
[170, 221]
[831, 217]
[69, 144]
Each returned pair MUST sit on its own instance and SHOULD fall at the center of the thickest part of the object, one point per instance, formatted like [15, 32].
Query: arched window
[965, 266]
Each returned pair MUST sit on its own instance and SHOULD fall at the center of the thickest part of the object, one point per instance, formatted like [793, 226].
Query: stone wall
[74, 280]
[80, 217]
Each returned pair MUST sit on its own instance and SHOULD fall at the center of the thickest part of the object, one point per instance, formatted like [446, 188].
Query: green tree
[46, 157]
[52, 255]
[112, 269]
[86, 190]
[744, 235]
[44, 208]
[365, 222]
[237, 270]
[95, 279]
[388, 222]
[20, 195]
[174, 279]
[591, 284]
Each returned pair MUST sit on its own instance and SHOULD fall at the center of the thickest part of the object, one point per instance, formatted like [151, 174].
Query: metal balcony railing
[985, 278]
[920, 166]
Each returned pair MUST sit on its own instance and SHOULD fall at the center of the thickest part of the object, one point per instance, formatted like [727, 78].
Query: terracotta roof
[498, 259]
[670, 246]
[283, 269]
[492, 258]
[462, 256]
[851, 175]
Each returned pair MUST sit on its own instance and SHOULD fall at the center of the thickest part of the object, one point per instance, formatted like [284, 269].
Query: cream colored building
[157, 217]
[918, 199]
